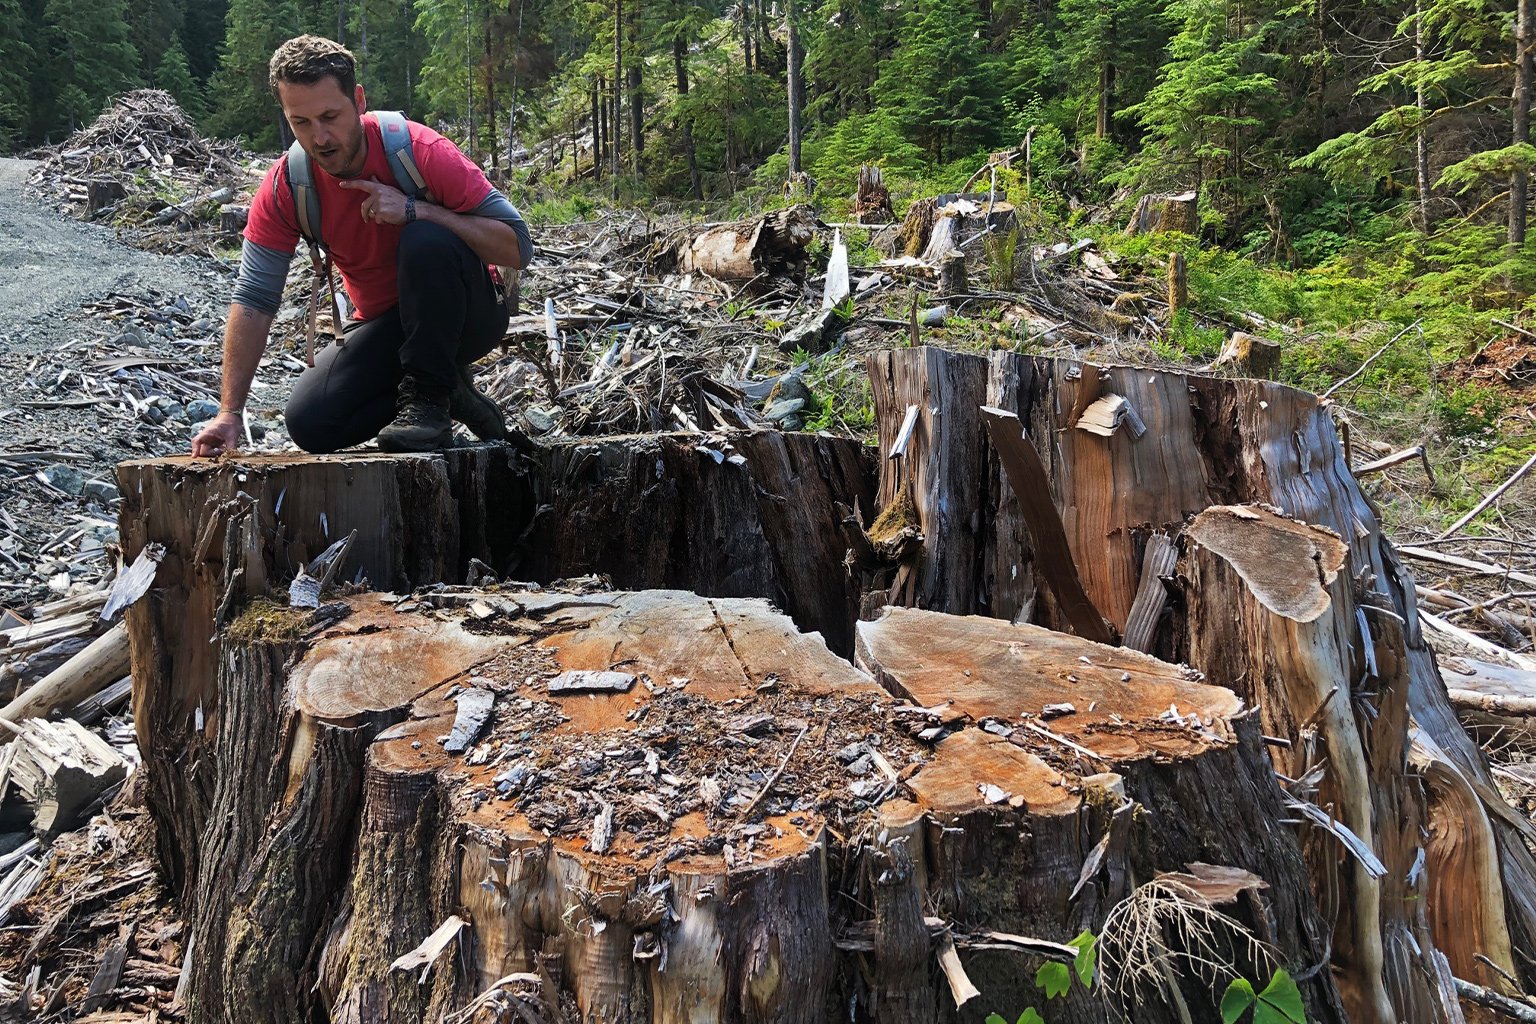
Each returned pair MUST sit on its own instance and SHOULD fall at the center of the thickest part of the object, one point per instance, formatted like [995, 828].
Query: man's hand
[384, 204]
[222, 434]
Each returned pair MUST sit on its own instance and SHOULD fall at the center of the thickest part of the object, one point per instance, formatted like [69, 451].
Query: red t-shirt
[364, 252]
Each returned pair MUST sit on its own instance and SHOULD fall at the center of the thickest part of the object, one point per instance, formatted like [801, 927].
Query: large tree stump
[1175, 445]
[1272, 614]
[651, 511]
[718, 841]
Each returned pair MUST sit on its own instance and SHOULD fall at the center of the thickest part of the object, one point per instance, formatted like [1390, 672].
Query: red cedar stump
[640, 856]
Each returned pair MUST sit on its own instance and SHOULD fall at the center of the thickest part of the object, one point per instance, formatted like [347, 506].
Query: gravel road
[51, 265]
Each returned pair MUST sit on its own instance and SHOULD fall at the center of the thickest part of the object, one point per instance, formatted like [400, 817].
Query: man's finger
[366, 186]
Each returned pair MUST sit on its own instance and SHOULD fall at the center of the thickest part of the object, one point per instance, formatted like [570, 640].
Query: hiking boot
[476, 410]
[421, 422]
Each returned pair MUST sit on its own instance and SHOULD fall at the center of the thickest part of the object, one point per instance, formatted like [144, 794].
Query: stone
[66, 478]
[202, 409]
[101, 490]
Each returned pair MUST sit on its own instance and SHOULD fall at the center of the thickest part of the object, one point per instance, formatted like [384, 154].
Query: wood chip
[585, 681]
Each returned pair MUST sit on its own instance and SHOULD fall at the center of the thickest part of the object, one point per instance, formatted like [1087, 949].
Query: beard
[344, 158]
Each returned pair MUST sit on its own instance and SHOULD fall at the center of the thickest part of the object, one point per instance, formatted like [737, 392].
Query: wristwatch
[410, 209]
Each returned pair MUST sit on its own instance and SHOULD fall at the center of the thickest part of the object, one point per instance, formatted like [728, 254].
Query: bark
[795, 89]
[1155, 213]
[345, 834]
[1520, 117]
[1202, 442]
[234, 529]
[680, 68]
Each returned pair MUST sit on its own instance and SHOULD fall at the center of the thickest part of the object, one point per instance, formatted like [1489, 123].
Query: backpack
[306, 207]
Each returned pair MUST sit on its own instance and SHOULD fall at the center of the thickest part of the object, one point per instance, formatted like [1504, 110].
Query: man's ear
[360, 99]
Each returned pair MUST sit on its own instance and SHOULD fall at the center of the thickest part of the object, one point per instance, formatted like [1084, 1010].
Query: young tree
[174, 75]
[242, 102]
[1207, 120]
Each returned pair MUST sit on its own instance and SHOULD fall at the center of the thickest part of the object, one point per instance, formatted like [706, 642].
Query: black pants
[450, 314]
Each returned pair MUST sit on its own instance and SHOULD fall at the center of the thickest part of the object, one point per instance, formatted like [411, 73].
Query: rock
[153, 414]
[101, 490]
[66, 478]
[200, 326]
[175, 411]
[778, 412]
[59, 583]
[202, 409]
[539, 421]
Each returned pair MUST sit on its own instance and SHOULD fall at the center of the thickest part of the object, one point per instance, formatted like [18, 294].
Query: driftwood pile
[144, 138]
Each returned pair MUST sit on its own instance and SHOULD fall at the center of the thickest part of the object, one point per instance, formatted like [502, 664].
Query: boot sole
[394, 447]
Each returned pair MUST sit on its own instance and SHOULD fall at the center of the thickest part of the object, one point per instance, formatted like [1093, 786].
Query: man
[415, 268]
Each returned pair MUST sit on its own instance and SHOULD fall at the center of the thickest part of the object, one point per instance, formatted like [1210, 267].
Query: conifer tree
[942, 85]
[1207, 120]
[174, 75]
[91, 58]
[16, 57]
[242, 101]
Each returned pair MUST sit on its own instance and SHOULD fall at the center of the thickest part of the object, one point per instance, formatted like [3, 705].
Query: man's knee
[308, 428]
[429, 247]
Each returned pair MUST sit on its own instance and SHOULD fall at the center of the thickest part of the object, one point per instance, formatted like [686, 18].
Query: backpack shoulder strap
[306, 201]
[396, 132]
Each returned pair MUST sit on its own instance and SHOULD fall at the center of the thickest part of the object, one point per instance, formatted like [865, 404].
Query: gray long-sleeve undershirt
[263, 270]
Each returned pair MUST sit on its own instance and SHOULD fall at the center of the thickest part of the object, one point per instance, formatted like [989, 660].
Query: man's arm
[493, 241]
[245, 338]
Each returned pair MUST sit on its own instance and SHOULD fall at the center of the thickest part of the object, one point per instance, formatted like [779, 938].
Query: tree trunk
[597, 130]
[618, 92]
[688, 850]
[1421, 136]
[232, 529]
[1521, 120]
[680, 67]
[1177, 446]
[636, 94]
[795, 89]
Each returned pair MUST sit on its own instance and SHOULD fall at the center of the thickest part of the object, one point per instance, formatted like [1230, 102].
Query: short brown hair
[304, 60]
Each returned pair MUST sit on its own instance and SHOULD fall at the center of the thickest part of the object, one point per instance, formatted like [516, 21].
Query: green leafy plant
[1055, 978]
[1029, 1016]
[1279, 1002]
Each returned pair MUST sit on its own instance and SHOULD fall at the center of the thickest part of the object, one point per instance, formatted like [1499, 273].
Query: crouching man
[417, 267]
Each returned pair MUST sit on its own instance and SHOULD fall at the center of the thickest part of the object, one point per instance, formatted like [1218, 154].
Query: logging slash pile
[142, 166]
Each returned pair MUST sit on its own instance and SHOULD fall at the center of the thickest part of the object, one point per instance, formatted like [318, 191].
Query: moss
[266, 622]
[897, 516]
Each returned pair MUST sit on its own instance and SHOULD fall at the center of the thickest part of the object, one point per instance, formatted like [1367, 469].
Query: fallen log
[99, 664]
[754, 518]
[763, 246]
[1201, 442]
[635, 857]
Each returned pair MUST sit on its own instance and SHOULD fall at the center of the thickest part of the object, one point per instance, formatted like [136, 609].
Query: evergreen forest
[1358, 162]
